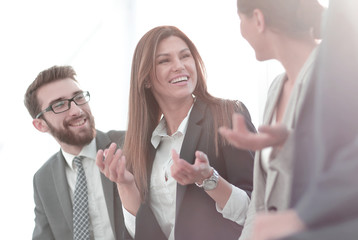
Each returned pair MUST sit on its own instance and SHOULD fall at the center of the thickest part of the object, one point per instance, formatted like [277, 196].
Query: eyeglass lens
[64, 105]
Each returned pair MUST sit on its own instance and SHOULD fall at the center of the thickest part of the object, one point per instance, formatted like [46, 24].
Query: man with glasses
[73, 200]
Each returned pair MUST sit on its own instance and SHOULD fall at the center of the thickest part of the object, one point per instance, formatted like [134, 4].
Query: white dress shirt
[162, 184]
[100, 226]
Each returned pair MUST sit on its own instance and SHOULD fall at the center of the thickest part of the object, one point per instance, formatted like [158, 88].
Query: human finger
[113, 165]
[99, 159]
[276, 134]
[110, 152]
[202, 157]
[234, 138]
[175, 156]
[277, 129]
[181, 170]
[121, 167]
[238, 123]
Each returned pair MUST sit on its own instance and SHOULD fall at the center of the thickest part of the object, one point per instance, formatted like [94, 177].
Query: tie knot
[78, 161]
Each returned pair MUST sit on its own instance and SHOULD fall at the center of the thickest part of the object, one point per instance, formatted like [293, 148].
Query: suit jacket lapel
[272, 99]
[190, 142]
[288, 120]
[299, 91]
[103, 141]
[109, 198]
[61, 187]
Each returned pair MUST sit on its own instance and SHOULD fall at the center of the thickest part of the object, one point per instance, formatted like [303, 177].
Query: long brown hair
[290, 16]
[144, 112]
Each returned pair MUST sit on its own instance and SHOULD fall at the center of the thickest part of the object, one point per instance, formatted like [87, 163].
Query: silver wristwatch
[211, 182]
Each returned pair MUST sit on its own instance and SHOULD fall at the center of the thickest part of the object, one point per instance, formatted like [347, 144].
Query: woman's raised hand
[240, 137]
[112, 163]
[185, 173]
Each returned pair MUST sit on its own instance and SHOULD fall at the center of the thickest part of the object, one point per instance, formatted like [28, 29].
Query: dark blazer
[53, 205]
[325, 192]
[196, 214]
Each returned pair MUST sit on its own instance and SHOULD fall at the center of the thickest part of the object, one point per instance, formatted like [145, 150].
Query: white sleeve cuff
[236, 207]
[129, 221]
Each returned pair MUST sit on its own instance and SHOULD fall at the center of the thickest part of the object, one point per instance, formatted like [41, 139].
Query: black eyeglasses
[65, 104]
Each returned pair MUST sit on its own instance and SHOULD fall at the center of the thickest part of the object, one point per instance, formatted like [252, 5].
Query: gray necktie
[80, 204]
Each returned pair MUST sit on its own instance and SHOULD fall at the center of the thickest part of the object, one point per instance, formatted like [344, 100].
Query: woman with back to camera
[285, 30]
[174, 179]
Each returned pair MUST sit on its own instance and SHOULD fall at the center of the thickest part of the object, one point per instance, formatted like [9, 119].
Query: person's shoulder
[277, 82]
[112, 133]
[45, 169]
[116, 136]
[239, 107]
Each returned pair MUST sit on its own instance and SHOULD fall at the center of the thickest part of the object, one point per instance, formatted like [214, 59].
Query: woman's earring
[147, 84]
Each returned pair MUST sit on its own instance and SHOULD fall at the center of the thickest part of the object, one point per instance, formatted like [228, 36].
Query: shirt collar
[161, 130]
[89, 151]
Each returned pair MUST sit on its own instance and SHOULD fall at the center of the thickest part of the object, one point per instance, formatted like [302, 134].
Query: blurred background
[98, 37]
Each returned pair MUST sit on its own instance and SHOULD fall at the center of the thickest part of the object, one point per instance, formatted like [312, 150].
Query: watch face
[210, 185]
[212, 182]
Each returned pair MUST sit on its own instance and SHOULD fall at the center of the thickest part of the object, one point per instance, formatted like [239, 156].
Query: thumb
[99, 159]
[238, 122]
[121, 167]
[201, 157]
[175, 156]
[274, 130]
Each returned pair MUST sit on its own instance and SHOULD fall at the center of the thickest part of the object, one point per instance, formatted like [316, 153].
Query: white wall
[97, 37]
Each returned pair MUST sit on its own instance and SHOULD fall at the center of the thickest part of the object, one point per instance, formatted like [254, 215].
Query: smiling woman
[174, 77]
[172, 143]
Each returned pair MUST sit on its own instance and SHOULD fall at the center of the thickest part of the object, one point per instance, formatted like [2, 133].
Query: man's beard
[65, 134]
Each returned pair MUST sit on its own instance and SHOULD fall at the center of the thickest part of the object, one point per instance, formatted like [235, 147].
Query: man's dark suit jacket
[325, 181]
[53, 205]
[196, 214]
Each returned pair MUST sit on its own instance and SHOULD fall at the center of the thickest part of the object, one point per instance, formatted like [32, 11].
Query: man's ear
[259, 20]
[40, 125]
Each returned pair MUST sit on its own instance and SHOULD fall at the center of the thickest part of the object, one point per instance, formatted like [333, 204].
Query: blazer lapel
[103, 141]
[288, 120]
[190, 142]
[299, 91]
[270, 183]
[109, 198]
[61, 186]
[272, 99]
